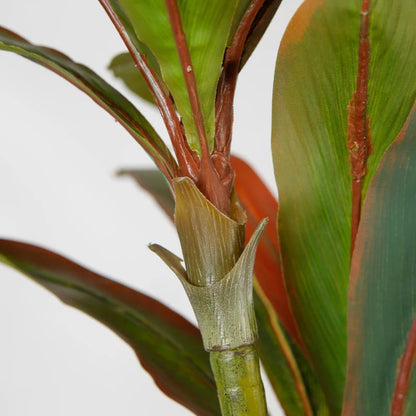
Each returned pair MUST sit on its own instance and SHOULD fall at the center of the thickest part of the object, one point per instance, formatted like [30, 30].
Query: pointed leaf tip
[167, 345]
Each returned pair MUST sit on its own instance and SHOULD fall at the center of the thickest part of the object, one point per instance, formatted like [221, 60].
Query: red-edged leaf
[100, 91]
[382, 293]
[167, 345]
[259, 203]
[259, 26]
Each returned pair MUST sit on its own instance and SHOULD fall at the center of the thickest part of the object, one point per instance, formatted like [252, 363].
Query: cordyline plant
[335, 287]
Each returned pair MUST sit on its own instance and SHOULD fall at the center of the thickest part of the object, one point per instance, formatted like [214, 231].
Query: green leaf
[152, 181]
[382, 301]
[258, 203]
[101, 92]
[208, 27]
[316, 74]
[167, 345]
[286, 366]
[122, 66]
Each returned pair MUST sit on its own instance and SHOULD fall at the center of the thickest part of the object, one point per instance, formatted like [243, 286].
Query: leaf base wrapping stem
[218, 280]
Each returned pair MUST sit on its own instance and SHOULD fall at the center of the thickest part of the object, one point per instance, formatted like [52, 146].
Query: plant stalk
[239, 385]
[219, 283]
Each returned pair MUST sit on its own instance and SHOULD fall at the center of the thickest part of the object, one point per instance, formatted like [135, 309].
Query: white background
[59, 152]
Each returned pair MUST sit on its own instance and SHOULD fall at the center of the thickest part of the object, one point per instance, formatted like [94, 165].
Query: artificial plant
[335, 294]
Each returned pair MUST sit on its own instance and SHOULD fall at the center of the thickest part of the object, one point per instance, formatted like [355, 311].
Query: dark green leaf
[382, 301]
[168, 346]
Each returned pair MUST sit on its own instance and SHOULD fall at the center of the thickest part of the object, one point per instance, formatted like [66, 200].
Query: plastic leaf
[382, 300]
[289, 371]
[259, 203]
[316, 75]
[207, 26]
[167, 345]
[101, 92]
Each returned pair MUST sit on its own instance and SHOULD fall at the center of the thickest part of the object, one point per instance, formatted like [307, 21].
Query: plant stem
[219, 283]
[239, 386]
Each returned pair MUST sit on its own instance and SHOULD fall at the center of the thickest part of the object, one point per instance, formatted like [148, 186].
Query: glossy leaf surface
[208, 27]
[167, 345]
[382, 300]
[99, 90]
[123, 66]
[286, 366]
[259, 203]
[316, 74]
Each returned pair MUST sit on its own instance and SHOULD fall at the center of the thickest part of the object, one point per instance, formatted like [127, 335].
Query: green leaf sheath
[382, 299]
[168, 346]
[101, 92]
[211, 242]
[316, 73]
[239, 385]
[278, 358]
[207, 46]
[219, 285]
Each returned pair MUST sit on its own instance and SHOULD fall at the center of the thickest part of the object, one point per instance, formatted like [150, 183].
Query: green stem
[239, 385]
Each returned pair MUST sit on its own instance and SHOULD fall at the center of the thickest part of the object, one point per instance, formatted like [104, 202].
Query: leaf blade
[99, 90]
[286, 366]
[382, 300]
[167, 345]
[315, 79]
[259, 203]
[151, 23]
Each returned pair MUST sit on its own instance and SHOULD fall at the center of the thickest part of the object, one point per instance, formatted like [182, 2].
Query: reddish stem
[188, 73]
[404, 374]
[209, 181]
[188, 161]
[228, 81]
[359, 140]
